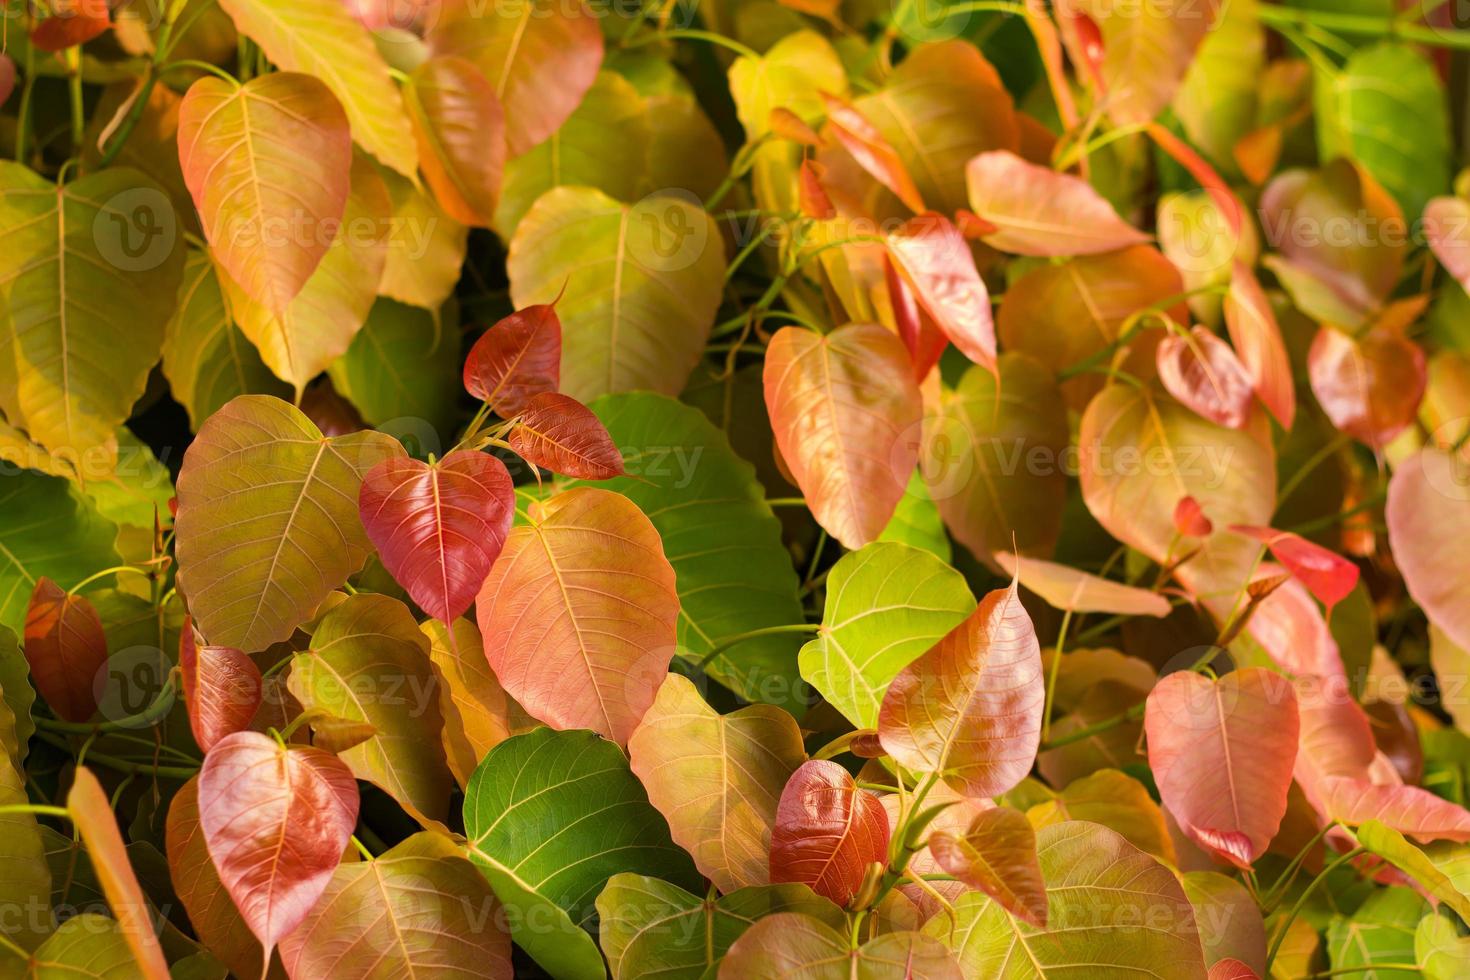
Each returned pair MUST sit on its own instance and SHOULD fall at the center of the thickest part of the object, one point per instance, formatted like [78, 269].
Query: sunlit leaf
[792, 944]
[871, 150]
[1037, 211]
[1381, 930]
[222, 688]
[559, 433]
[1329, 576]
[1072, 590]
[1389, 844]
[936, 262]
[1257, 339]
[997, 855]
[515, 360]
[1440, 949]
[66, 648]
[827, 832]
[1118, 802]
[1202, 372]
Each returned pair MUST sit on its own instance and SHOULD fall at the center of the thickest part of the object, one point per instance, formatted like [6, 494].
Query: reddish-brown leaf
[845, 409]
[871, 150]
[1036, 211]
[69, 23]
[1257, 339]
[438, 527]
[1204, 373]
[276, 822]
[937, 262]
[1412, 811]
[1231, 969]
[827, 832]
[222, 688]
[1190, 519]
[1369, 386]
[970, 708]
[1222, 753]
[517, 359]
[66, 650]
[7, 77]
[1326, 574]
[997, 855]
[559, 433]
[460, 130]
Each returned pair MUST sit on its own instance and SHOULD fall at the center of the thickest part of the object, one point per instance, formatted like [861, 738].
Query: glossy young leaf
[459, 127]
[716, 778]
[970, 709]
[587, 557]
[67, 650]
[997, 855]
[1329, 576]
[269, 166]
[1072, 590]
[222, 688]
[1202, 372]
[791, 944]
[871, 150]
[936, 262]
[438, 527]
[515, 360]
[827, 832]
[559, 433]
[1037, 211]
[276, 822]
[845, 410]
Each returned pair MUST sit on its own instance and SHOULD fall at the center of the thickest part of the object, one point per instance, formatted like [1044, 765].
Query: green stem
[1051, 680]
[147, 718]
[23, 114]
[123, 765]
[362, 848]
[35, 810]
[103, 574]
[74, 90]
[732, 641]
[1364, 25]
[1301, 903]
[687, 34]
[203, 66]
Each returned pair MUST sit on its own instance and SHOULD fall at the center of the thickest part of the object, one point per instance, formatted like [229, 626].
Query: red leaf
[517, 359]
[71, 22]
[1326, 574]
[1222, 752]
[936, 260]
[1257, 339]
[1369, 386]
[827, 831]
[222, 688]
[871, 151]
[1037, 211]
[1190, 519]
[438, 528]
[559, 433]
[920, 334]
[1231, 969]
[66, 649]
[276, 822]
[1203, 373]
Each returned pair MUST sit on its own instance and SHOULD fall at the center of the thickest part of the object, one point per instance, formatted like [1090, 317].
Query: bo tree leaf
[222, 688]
[460, 129]
[86, 945]
[579, 613]
[527, 811]
[790, 944]
[267, 523]
[827, 831]
[25, 877]
[516, 359]
[886, 604]
[716, 778]
[1427, 500]
[66, 648]
[997, 854]
[559, 433]
[1037, 211]
[641, 286]
[478, 714]
[399, 373]
[51, 532]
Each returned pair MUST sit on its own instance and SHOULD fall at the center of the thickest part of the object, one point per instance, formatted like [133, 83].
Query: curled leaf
[936, 261]
[1329, 576]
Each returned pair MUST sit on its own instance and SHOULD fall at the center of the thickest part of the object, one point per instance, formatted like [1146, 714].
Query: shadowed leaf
[66, 648]
[791, 944]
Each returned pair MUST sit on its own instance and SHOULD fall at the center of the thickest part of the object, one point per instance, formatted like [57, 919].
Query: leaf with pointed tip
[639, 285]
[276, 822]
[257, 566]
[369, 664]
[419, 909]
[524, 811]
[937, 263]
[322, 38]
[1202, 372]
[1329, 576]
[1426, 508]
[790, 944]
[438, 527]
[886, 605]
[1073, 590]
[1257, 339]
[460, 130]
[1247, 722]
[515, 360]
[66, 648]
[268, 164]
[871, 150]
[91, 813]
[559, 433]
[1115, 911]
[997, 855]
[206, 358]
[716, 778]
[318, 325]
[1037, 211]
[66, 376]
[845, 409]
[970, 709]
[540, 57]
[579, 613]
[1409, 810]
[399, 373]
[827, 831]
[1369, 386]
[222, 688]
[1389, 844]
[478, 714]
[650, 927]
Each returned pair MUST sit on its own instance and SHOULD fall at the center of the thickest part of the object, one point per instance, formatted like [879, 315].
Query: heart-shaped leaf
[937, 263]
[321, 38]
[67, 650]
[1203, 373]
[420, 908]
[256, 566]
[827, 831]
[871, 150]
[579, 613]
[222, 688]
[460, 129]
[438, 527]
[276, 822]
[970, 709]
[515, 360]
[997, 855]
[268, 164]
[548, 882]
[792, 944]
[716, 778]
[559, 433]
[1037, 211]
[1247, 723]
[1073, 590]
[369, 665]
[845, 410]
[1369, 386]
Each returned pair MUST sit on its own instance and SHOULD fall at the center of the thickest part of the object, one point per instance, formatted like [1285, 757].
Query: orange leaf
[559, 433]
[66, 650]
[827, 832]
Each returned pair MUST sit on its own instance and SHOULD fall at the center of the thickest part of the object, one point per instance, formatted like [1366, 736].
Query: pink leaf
[1326, 574]
[1190, 520]
[222, 688]
[936, 261]
[1203, 373]
[1257, 339]
[1034, 210]
[1369, 386]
